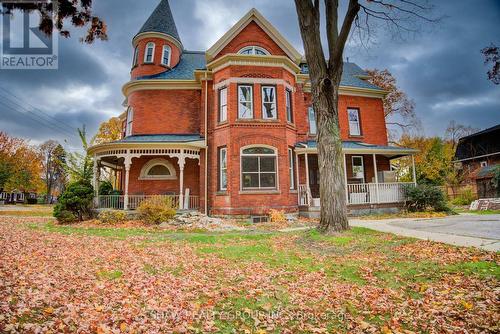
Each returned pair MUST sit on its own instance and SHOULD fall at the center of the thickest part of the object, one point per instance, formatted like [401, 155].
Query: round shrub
[76, 199]
[423, 197]
[157, 209]
[63, 216]
[112, 216]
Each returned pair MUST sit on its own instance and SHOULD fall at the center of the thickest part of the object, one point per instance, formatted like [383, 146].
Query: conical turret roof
[162, 21]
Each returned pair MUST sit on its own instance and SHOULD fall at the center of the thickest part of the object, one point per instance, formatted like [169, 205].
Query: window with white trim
[358, 168]
[269, 102]
[223, 104]
[312, 121]
[245, 101]
[136, 56]
[149, 54]
[253, 50]
[158, 169]
[291, 168]
[165, 56]
[223, 168]
[258, 168]
[288, 105]
[130, 120]
[354, 124]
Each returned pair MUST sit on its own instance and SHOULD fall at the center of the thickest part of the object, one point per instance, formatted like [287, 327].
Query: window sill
[257, 120]
[221, 193]
[356, 136]
[259, 192]
[142, 178]
[222, 123]
[166, 66]
[293, 191]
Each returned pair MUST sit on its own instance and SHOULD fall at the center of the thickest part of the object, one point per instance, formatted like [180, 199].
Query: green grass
[109, 274]
[486, 212]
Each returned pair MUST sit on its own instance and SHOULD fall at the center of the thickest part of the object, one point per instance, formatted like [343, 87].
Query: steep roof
[162, 21]
[478, 144]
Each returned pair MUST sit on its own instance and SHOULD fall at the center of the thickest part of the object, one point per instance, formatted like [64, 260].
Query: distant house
[478, 155]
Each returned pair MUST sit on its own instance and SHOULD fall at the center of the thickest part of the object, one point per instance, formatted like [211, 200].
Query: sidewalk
[448, 238]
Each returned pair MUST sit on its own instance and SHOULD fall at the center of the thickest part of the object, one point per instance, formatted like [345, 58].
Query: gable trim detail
[255, 16]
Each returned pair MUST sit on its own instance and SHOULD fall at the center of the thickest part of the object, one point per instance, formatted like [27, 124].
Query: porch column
[376, 177]
[307, 171]
[414, 171]
[127, 163]
[345, 180]
[297, 177]
[181, 162]
[94, 183]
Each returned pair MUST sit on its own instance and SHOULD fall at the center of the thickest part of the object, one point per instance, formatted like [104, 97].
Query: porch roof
[162, 138]
[356, 147]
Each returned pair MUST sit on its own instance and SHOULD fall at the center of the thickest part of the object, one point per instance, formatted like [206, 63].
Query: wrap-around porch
[368, 176]
[142, 170]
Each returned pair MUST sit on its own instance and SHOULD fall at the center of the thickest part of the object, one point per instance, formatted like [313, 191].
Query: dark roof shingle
[161, 20]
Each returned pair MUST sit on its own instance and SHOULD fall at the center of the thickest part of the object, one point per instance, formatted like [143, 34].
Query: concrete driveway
[482, 231]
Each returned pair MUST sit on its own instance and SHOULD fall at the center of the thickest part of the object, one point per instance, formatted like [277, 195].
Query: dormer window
[253, 50]
[165, 57]
[149, 54]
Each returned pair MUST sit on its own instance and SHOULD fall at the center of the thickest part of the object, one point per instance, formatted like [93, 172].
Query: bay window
[223, 104]
[223, 168]
[269, 102]
[245, 101]
[258, 168]
[288, 105]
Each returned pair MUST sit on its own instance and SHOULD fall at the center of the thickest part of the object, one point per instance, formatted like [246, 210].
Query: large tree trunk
[330, 158]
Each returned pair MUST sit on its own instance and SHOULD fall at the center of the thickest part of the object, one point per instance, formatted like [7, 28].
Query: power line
[37, 119]
[37, 109]
[52, 124]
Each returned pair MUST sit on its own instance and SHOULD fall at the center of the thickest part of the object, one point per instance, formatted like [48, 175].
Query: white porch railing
[117, 201]
[365, 193]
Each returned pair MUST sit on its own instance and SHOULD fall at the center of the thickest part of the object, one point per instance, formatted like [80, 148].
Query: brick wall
[166, 111]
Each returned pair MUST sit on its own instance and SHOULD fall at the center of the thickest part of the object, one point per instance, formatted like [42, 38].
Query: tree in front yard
[79, 164]
[325, 75]
[492, 55]
[399, 109]
[53, 163]
[109, 130]
[75, 202]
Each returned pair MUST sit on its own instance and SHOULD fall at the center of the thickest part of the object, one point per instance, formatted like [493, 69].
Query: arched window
[158, 169]
[259, 168]
[165, 56]
[150, 52]
[136, 56]
[253, 50]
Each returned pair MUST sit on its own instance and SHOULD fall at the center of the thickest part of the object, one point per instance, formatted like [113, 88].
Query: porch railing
[365, 193]
[117, 201]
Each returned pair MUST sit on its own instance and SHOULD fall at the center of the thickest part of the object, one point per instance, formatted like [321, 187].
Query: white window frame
[276, 168]
[362, 167]
[313, 125]
[249, 101]
[136, 56]
[169, 49]
[354, 126]
[144, 174]
[288, 105]
[273, 103]
[254, 48]
[223, 104]
[130, 121]
[483, 163]
[291, 168]
[222, 168]
[151, 46]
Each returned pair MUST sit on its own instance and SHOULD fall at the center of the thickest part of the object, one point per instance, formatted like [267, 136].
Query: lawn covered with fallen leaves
[142, 280]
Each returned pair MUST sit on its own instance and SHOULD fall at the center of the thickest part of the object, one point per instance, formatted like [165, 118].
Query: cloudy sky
[441, 68]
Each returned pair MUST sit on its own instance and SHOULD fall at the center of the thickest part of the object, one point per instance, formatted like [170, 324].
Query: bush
[423, 197]
[112, 216]
[31, 201]
[105, 188]
[465, 198]
[76, 199]
[277, 216]
[157, 209]
[63, 216]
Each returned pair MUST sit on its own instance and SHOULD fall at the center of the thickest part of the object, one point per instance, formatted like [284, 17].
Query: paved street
[482, 231]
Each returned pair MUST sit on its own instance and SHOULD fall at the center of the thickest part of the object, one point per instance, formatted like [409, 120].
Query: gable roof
[162, 21]
[255, 16]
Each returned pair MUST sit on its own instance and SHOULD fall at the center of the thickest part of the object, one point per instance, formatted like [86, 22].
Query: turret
[157, 46]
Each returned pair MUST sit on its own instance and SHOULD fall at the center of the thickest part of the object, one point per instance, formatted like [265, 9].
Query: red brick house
[231, 130]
